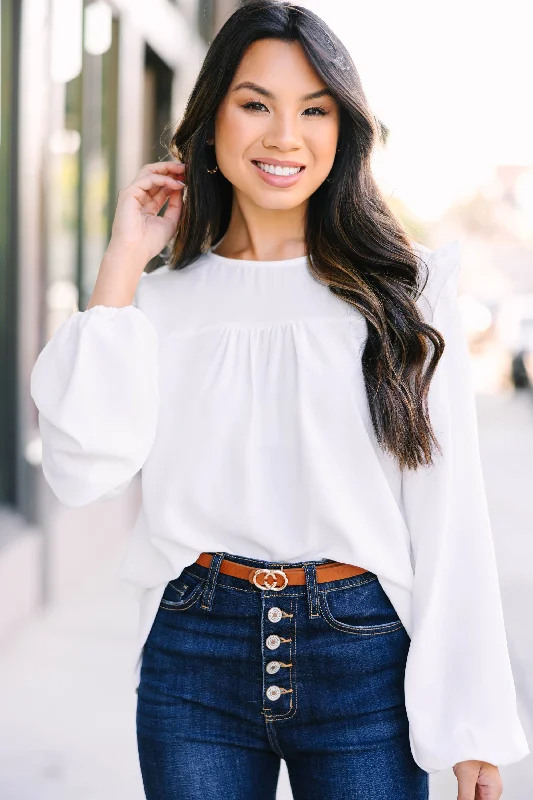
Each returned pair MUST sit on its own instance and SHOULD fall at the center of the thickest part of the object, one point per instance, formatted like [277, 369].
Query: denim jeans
[235, 678]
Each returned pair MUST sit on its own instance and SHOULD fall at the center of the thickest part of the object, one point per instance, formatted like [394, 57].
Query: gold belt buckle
[270, 579]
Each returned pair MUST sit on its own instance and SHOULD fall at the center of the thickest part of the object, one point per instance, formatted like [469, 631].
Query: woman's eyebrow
[266, 93]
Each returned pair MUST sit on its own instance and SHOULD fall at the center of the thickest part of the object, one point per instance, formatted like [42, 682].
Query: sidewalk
[67, 725]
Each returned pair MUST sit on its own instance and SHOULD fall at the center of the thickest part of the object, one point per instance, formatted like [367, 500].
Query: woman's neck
[263, 234]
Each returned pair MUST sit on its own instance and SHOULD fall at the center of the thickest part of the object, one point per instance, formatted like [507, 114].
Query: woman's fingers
[159, 198]
[155, 182]
[173, 210]
[157, 201]
[175, 168]
[149, 185]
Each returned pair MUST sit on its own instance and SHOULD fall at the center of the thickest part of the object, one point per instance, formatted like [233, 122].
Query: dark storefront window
[157, 102]
[9, 49]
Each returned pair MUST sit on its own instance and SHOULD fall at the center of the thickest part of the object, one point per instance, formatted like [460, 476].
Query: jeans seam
[181, 606]
[272, 738]
[349, 585]
[359, 630]
[207, 605]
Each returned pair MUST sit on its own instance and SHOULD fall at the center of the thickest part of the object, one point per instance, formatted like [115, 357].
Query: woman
[313, 547]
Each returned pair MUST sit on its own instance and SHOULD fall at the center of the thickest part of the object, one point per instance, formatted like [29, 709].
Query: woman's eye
[315, 111]
[321, 112]
[252, 105]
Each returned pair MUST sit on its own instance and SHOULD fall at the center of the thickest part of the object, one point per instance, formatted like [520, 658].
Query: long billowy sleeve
[95, 385]
[459, 688]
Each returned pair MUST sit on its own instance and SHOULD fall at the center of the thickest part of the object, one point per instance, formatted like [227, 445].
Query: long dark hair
[355, 244]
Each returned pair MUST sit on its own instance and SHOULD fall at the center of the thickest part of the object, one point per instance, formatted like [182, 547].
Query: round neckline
[243, 262]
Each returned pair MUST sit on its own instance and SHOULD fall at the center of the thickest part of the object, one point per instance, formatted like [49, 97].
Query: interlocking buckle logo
[270, 579]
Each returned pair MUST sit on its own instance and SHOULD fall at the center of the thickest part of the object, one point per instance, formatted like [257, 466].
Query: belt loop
[312, 590]
[209, 589]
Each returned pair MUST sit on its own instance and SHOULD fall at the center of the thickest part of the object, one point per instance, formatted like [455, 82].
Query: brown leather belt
[277, 579]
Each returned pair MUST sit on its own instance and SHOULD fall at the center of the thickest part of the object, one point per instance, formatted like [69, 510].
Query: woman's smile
[278, 173]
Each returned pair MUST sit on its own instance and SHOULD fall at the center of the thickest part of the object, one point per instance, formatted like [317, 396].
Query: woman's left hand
[478, 780]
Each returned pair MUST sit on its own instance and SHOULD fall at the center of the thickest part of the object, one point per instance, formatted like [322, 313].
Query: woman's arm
[95, 383]
[459, 688]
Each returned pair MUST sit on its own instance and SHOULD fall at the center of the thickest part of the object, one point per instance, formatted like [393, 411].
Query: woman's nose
[283, 133]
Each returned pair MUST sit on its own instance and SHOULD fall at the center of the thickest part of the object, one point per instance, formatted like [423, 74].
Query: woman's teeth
[278, 170]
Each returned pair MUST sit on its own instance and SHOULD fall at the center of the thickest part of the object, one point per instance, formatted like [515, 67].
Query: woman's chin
[274, 200]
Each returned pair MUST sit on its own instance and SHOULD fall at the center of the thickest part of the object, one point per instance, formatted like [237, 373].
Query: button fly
[275, 614]
[272, 667]
[273, 642]
[273, 692]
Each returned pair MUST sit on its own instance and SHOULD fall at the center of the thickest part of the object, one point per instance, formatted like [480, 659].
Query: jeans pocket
[182, 592]
[362, 609]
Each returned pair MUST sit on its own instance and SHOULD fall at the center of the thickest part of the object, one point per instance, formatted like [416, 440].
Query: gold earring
[211, 171]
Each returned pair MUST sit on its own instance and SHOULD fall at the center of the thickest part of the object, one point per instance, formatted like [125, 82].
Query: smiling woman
[244, 116]
[268, 134]
[276, 128]
[317, 572]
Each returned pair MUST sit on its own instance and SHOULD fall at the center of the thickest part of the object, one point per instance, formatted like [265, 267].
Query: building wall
[98, 81]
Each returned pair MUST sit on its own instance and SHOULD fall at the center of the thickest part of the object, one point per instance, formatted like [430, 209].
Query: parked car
[515, 329]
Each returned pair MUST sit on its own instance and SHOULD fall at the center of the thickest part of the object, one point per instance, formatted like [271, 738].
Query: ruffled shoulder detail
[443, 269]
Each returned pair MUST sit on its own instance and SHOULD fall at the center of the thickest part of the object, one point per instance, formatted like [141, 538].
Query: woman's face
[269, 122]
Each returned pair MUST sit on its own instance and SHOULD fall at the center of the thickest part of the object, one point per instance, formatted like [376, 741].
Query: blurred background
[88, 90]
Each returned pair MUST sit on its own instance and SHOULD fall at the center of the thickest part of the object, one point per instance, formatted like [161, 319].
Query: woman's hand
[478, 780]
[137, 228]
[138, 233]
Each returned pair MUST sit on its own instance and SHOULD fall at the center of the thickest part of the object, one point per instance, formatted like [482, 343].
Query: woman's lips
[278, 180]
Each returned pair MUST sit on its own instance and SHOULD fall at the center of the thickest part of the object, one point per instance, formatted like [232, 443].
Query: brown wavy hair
[355, 244]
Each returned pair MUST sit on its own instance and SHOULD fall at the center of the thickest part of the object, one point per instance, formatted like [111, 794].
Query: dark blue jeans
[234, 678]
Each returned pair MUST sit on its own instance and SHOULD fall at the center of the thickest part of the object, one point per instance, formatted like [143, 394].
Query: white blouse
[237, 387]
